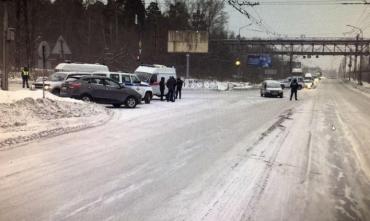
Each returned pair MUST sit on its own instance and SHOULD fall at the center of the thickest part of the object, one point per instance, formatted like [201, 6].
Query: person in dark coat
[179, 84]
[171, 84]
[162, 87]
[25, 76]
[294, 88]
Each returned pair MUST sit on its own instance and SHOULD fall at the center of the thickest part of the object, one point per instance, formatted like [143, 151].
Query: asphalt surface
[211, 156]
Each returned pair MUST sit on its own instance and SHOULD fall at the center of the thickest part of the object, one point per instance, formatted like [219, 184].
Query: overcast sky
[312, 18]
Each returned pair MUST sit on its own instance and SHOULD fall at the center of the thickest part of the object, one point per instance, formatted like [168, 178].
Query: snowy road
[211, 156]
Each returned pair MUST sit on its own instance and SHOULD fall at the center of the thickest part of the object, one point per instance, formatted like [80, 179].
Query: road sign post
[43, 70]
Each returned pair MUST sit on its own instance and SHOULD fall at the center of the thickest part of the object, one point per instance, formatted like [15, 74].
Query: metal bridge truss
[311, 47]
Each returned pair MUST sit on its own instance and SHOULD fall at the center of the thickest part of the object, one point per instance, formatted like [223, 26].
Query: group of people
[174, 87]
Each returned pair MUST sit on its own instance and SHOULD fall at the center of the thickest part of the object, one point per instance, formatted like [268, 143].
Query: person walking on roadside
[294, 88]
[179, 84]
[25, 76]
[162, 87]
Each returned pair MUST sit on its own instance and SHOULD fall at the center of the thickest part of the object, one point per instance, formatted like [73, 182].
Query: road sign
[46, 49]
[263, 61]
[61, 47]
[187, 42]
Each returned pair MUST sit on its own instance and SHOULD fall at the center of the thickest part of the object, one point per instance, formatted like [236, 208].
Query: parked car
[271, 88]
[152, 74]
[286, 82]
[308, 84]
[100, 90]
[132, 81]
[54, 82]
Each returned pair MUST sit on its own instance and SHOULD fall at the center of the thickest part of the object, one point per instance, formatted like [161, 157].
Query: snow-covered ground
[213, 155]
[25, 116]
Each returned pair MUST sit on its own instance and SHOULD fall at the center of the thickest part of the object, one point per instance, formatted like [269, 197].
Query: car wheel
[116, 105]
[282, 95]
[131, 102]
[56, 92]
[147, 98]
[86, 98]
[299, 87]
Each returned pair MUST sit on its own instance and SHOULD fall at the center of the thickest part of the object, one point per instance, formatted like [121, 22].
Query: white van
[71, 67]
[131, 81]
[152, 74]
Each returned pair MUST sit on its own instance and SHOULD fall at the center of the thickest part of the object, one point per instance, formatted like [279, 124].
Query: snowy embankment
[218, 85]
[25, 116]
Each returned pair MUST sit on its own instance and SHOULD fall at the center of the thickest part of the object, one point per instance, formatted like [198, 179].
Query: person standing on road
[25, 75]
[171, 84]
[179, 84]
[162, 87]
[294, 88]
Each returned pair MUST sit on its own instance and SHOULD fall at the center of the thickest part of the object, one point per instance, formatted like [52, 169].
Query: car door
[97, 89]
[114, 92]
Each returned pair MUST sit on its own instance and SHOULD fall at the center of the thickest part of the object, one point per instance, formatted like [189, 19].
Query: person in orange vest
[25, 76]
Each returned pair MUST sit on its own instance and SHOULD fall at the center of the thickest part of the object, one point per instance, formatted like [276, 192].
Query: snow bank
[217, 85]
[25, 116]
[12, 96]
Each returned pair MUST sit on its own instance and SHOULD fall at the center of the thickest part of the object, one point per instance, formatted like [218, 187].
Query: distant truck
[308, 76]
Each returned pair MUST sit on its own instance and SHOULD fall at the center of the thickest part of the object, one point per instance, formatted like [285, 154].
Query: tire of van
[300, 87]
[147, 97]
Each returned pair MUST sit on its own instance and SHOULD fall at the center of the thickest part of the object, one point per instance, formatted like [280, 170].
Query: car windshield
[273, 85]
[135, 79]
[144, 76]
[58, 76]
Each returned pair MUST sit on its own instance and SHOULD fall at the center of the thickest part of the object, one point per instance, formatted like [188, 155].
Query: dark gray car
[100, 90]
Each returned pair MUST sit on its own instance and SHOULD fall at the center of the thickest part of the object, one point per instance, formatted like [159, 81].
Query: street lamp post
[359, 75]
[240, 48]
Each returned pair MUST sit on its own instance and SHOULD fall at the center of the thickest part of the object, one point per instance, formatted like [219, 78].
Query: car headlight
[46, 87]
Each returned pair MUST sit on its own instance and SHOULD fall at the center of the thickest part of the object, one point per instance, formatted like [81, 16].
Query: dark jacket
[179, 84]
[162, 85]
[294, 85]
[171, 83]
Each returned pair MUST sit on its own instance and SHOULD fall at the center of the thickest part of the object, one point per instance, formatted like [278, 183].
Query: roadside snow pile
[364, 89]
[26, 119]
[217, 85]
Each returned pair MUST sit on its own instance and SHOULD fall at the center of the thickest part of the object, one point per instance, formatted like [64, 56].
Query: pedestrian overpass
[347, 47]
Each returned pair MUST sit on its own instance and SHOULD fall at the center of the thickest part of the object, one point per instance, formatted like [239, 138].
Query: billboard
[263, 61]
[187, 42]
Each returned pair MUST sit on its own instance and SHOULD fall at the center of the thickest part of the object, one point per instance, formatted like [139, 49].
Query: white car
[271, 88]
[131, 81]
[54, 82]
[308, 84]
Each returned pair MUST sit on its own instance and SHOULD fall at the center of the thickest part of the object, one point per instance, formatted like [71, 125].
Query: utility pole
[359, 73]
[356, 53]
[4, 74]
[187, 65]
[360, 68]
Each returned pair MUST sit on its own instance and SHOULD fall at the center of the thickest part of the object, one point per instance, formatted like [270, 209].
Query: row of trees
[114, 32]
